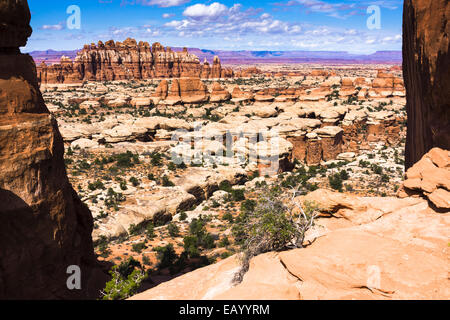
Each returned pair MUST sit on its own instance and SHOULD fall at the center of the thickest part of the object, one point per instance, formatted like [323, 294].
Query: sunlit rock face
[129, 60]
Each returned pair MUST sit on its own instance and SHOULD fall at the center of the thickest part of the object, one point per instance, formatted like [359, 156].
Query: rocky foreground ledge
[361, 248]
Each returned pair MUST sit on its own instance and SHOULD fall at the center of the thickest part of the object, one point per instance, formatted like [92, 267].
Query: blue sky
[330, 25]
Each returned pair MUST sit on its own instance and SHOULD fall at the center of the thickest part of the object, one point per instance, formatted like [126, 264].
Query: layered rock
[44, 227]
[363, 248]
[426, 68]
[128, 60]
[386, 85]
[219, 94]
[161, 92]
[430, 177]
[241, 96]
[186, 90]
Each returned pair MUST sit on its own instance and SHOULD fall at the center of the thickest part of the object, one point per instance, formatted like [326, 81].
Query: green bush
[198, 238]
[126, 280]
[228, 217]
[191, 246]
[125, 160]
[135, 182]
[166, 256]
[139, 247]
[238, 195]
[150, 231]
[96, 185]
[135, 230]
[226, 186]
[336, 182]
[183, 216]
[166, 182]
[272, 226]
[174, 231]
[344, 175]
[248, 206]
[225, 242]
[156, 159]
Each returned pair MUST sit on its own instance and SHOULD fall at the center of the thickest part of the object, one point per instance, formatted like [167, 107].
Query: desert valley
[151, 160]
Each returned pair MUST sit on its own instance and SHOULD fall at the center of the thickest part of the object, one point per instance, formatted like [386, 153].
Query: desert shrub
[273, 226]
[183, 216]
[248, 206]
[336, 182]
[174, 231]
[113, 199]
[225, 186]
[226, 255]
[135, 230]
[166, 256]
[150, 231]
[191, 246]
[135, 182]
[125, 282]
[225, 242]
[344, 175]
[198, 238]
[166, 182]
[126, 160]
[138, 247]
[156, 159]
[96, 185]
[377, 169]
[171, 166]
[238, 195]
[228, 217]
[102, 244]
[385, 178]
[146, 260]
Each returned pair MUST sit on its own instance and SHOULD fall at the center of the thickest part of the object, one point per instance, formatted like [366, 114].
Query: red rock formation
[239, 94]
[206, 70]
[219, 94]
[44, 227]
[430, 178]
[193, 90]
[426, 68]
[216, 70]
[129, 60]
[319, 73]
[162, 91]
[249, 72]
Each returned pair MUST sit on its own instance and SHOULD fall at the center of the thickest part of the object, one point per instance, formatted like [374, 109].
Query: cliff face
[426, 66]
[126, 61]
[44, 227]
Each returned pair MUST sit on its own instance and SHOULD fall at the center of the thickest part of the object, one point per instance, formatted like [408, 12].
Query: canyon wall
[129, 60]
[44, 227]
[426, 67]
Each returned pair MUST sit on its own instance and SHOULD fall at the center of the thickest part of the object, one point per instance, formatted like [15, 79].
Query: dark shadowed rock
[44, 227]
[426, 66]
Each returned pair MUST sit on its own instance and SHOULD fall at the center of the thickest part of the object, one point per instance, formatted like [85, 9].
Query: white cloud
[167, 15]
[201, 11]
[55, 27]
[165, 3]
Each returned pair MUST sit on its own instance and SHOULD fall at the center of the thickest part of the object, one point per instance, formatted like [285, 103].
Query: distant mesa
[129, 60]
